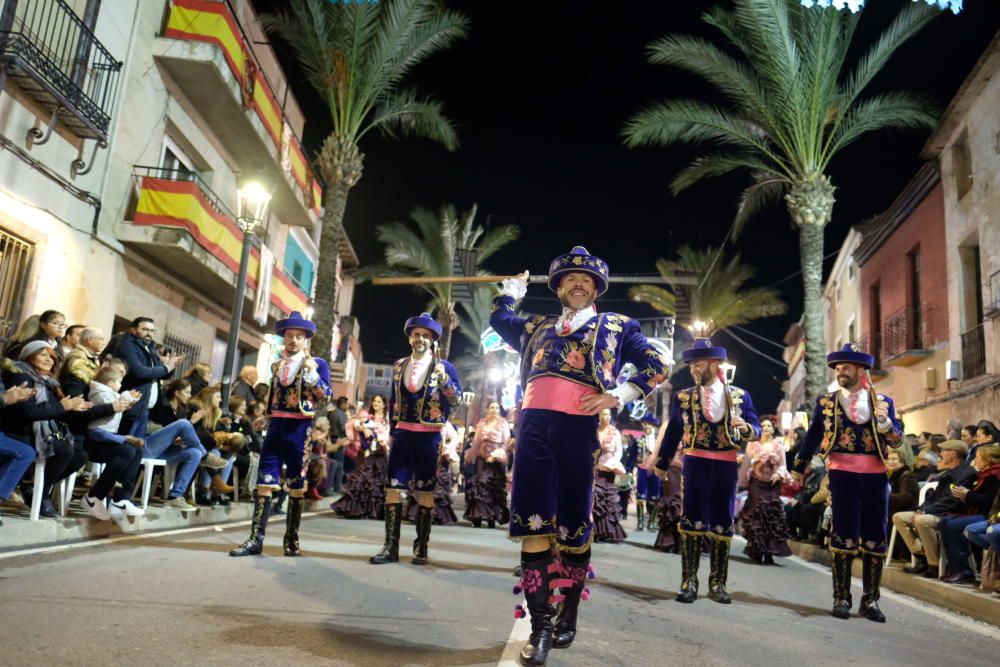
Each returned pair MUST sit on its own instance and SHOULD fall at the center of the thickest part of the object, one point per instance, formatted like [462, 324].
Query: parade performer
[607, 511]
[444, 483]
[299, 383]
[487, 496]
[765, 526]
[424, 391]
[853, 428]
[364, 488]
[570, 364]
[648, 485]
[712, 419]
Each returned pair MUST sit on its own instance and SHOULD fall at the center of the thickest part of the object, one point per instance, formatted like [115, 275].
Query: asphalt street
[178, 599]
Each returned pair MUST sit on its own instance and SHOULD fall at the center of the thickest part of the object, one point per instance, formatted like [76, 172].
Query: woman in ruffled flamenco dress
[444, 483]
[488, 493]
[607, 508]
[669, 506]
[364, 488]
[763, 517]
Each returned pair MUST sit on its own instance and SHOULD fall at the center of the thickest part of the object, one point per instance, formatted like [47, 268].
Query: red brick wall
[889, 267]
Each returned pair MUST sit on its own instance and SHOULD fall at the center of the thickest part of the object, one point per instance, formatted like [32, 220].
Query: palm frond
[887, 110]
[403, 113]
[662, 300]
[496, 238]
[717, 164]
[763, 192]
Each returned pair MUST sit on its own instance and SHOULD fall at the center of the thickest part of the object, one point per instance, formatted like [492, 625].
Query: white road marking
[518, 635]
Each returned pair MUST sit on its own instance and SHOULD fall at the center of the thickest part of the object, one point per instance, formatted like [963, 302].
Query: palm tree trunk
[325, 307]
[810, 203]
[446, 317]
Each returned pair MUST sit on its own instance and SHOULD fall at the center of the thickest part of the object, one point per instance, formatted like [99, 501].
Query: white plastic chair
[36, 495]
[65, 491]
[146, 478]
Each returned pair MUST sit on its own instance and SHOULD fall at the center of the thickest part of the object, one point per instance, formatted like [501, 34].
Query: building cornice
[912, 195]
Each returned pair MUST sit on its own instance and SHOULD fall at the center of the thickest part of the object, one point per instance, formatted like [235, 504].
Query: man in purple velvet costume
[714, 421]
[569, 364]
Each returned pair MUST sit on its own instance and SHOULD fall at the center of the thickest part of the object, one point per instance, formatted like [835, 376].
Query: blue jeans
[955, 544]
[15, 458]
[161, 445]
[993, 537]
[976, 534]
[335, 469]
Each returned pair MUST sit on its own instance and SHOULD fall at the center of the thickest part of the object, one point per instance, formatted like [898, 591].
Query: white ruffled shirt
[290, 366]
[713, 400]
[416, 372]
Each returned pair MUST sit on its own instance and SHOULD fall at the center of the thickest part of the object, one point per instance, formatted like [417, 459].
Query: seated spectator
[212, 428]
[261, 391]
[986, 535]
[925, 465]
[976, 503]
[805, 508]
[935, 442]
[40, 422]
[121, 454]
[200, 376]
[50, 329]
[904, 493]
[244, 386]
[15, 456]
[986, 434]
[910, 443]
[82, 362]
[923, 522]
[969, 435]
[71, 338]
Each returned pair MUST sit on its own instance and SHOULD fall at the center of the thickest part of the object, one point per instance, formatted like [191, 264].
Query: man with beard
[853, 428]
[713, 420]
[570, 365]
[298, 383]
[424, 391]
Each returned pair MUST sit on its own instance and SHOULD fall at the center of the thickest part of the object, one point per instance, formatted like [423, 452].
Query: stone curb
[962, 599]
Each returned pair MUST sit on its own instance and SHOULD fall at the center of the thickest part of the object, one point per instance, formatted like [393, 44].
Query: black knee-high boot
[651, 515]
[690, 554]
[575, 569]
[871, 578]
[292, 520]
[424, 521]
[535, 578]
[389, 553]
[842, 584]
[639, 520]
[255, 543]
[719, 573]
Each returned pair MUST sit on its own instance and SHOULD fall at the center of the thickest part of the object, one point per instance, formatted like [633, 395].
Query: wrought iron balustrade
[56, 60]
[973, 353]
[872, 344]
[905, 330]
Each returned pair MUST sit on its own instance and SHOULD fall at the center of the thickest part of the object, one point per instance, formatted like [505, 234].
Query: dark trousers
[335, 470]
[69, 457]
[860, 512]
[709, 496]
[804, 517]
[121, 464]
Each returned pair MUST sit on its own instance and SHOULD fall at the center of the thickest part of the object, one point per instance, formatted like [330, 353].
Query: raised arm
[671, 438]
[813, 439]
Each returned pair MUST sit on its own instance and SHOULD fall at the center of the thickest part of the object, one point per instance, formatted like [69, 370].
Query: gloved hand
[516, 287]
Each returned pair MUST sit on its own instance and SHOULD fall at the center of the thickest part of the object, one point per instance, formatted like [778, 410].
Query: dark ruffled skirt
[487, 494]
[444, 514]
[765, 525]
[669, 508]
[607, 509]
[364, 490]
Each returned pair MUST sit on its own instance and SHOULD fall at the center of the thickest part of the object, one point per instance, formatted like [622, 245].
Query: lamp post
[252, 199]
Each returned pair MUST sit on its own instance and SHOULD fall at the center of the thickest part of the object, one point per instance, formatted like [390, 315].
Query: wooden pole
[453, 280]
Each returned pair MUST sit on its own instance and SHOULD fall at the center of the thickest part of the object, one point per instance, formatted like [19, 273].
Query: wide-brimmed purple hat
[703, 349]
[423, 320]
[851, 354]
[295, 321]
[578, 260]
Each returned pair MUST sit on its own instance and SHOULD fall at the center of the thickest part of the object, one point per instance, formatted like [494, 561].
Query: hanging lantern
[856, 5]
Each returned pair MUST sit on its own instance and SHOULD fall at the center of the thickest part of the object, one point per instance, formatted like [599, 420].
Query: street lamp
[698, 328]
[252, 199]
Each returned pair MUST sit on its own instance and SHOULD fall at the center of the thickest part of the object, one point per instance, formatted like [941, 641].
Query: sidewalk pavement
[967, 600]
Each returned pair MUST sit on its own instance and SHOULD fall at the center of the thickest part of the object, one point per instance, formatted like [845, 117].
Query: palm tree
[720, 300]
[430, 250]
[477, 316]
[356, 55]
[793, 104]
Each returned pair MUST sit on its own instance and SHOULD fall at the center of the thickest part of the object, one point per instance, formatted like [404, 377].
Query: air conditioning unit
[930, 378]
[953, 370]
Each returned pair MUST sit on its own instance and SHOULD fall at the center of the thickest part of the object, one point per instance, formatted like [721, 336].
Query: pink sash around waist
[859, 463]
[708, 454]
[420, 428]
[553, 393]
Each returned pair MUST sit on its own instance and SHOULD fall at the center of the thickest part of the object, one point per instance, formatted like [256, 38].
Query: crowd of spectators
[69, 397]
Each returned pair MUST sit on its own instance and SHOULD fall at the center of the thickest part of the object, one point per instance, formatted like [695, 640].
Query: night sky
[540, 92]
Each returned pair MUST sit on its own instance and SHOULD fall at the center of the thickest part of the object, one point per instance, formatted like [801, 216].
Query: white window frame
[179, 152]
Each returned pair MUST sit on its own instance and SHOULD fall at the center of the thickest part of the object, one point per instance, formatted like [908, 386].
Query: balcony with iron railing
[344, 363]
[55, 59]
[211, 59]
[871, 343]
[974, 352]
[904, 336]
[180, 224]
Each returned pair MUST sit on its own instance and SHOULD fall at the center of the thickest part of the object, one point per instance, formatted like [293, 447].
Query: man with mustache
[299, 382]
[714, 421]
[424, 391]
[854, 435]
[570, 365]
